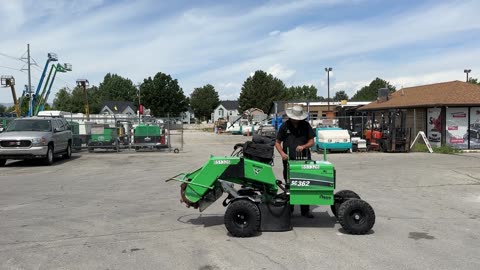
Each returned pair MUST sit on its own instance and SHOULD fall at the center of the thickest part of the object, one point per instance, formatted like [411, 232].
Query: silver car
[36, 138]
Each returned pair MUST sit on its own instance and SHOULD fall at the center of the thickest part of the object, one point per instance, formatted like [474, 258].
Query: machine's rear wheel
[242, 218]
[340, 197]
[356, 216]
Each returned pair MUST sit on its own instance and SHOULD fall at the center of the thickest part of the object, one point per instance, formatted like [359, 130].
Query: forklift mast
[395, 134]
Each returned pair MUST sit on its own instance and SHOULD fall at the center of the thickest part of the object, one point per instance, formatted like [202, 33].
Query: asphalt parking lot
[114, 211]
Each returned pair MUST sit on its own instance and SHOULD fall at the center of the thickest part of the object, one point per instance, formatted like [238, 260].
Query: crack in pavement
[90, 237]
[261, 253]
[431, 186]
[468, 175]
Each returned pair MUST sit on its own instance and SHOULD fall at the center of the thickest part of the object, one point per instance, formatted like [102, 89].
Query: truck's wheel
[49, 158]
[68, 153]
[340, 197]
[3, 162]
[242, 218]
[356, 216]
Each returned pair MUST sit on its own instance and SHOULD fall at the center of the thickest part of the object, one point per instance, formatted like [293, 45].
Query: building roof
[230, 104]
[455, 93]
[118, 106]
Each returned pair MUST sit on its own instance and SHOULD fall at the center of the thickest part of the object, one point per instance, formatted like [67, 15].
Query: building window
[220, 112]
[313, 116]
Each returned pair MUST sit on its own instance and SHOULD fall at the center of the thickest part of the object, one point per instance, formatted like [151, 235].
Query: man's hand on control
[300, 148]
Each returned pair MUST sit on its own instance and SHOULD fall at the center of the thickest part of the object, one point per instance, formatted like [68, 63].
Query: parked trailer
[149, 136]
[77, 141]
[103, 137]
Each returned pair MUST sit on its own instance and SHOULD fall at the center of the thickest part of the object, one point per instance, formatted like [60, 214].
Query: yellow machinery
[9, 81]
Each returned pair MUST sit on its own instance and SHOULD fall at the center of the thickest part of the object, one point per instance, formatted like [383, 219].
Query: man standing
[294, 139]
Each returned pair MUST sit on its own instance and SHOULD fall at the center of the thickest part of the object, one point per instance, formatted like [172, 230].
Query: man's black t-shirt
[292, 137]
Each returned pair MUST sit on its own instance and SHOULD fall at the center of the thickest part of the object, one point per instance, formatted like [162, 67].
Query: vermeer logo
[310, 167]
[221, 162]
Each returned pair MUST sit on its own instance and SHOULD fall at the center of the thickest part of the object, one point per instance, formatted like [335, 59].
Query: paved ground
[114, 211]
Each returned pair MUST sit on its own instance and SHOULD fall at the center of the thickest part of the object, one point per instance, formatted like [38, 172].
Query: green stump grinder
[257, 201]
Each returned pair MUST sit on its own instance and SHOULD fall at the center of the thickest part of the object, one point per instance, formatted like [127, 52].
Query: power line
[35, 77]
[11, 57]
[10, 68]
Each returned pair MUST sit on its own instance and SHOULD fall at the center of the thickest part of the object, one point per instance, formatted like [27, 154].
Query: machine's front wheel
[356, 216]
[340, 197]
[242, 218]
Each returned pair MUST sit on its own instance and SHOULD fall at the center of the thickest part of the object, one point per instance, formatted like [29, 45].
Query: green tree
[163, 96]
[74, 101]
[62, 100]
[204, 100]
[340, 95]
[306, 92]
[474, 81]
[370, 92]
[117, 88]
[260, 91]
[2, 108]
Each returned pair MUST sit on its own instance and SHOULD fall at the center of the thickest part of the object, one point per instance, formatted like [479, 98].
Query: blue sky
[223, 42]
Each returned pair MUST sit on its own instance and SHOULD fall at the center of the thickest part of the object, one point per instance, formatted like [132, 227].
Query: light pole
[467, 71]
[328, 86]
[84, 83]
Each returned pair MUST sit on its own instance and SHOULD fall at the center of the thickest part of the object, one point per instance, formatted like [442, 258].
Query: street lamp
[328, 86]
[84, 83]
[467, 71]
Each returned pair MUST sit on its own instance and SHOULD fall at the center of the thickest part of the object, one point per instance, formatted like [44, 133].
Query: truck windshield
[30, 125]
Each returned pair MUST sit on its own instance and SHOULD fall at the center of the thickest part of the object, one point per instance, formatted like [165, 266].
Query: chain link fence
[122, 133]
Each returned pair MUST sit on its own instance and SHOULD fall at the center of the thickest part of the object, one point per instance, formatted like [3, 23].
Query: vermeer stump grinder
[257, 201]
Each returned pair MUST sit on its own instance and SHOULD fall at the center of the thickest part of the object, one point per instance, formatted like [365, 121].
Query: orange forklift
[391, 134]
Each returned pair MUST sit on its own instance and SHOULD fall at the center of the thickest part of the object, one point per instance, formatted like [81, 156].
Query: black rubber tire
[342, 195]
[176, 151]
[68, 153]
[3, 162]
[49, 158]
[356, 216]
[242, 218]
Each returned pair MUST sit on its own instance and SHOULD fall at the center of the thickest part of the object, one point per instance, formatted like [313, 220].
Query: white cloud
[280, 71]
[274, 33]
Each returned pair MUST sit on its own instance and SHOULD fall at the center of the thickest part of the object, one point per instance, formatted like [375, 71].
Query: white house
[188, 116]
[227, 110]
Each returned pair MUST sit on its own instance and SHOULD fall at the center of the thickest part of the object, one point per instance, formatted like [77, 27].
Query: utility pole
[29, 90]
[328, 86]
[29, 77]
